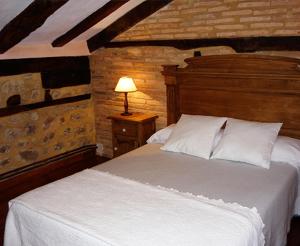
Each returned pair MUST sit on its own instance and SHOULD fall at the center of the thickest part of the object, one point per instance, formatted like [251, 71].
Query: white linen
[272, 191]
[194, 135]
[161, 136]
[247, 141]
[100, 208]
[287, 150]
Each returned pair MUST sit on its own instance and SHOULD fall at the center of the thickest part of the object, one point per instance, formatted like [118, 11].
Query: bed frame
[250, 87]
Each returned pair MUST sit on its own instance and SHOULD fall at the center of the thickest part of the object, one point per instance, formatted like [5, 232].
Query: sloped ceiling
[38, 43]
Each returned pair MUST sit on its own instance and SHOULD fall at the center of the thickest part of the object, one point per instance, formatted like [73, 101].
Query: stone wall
[181, 19]
[39, 134]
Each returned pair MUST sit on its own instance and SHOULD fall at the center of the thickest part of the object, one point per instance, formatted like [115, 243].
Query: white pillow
[194, 135]
[287, 150]
[162, 135]
[247, 141]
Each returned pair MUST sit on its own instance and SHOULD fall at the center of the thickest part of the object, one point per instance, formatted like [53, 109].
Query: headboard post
[172, 93]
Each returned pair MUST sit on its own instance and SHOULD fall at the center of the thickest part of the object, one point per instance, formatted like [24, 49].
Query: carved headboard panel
[250, 87]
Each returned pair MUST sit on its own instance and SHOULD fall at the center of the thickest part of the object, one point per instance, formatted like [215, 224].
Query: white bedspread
[95, 208]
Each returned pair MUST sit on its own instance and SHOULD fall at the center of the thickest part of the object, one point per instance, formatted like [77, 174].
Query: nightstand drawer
[123, 144]
[125, 129]
[131, 132]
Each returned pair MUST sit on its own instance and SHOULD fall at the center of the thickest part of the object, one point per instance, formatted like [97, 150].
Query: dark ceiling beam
[27, 21]
[56, 72]
[88, 22]
[131, 18]
[240, 45]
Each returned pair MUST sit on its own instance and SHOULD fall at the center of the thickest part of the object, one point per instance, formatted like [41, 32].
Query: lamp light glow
[125, 85]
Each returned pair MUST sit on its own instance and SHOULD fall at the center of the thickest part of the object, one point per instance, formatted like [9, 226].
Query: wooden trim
[172, 93]
[23, 108]
[27, 21]
[244, 86]
[56, 72]
[88, 22]
[5, 178]
[240, 45]
[127, 21]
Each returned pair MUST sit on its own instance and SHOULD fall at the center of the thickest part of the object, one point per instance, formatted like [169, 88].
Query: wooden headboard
[250, 87]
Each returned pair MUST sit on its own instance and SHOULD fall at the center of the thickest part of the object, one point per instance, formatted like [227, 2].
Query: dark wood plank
[131, 18]
[23, 108]
[44, 172]
[27, 21]
[294, 234]
[56, 71]
[88, 22]
[240, 45]
[63, 77]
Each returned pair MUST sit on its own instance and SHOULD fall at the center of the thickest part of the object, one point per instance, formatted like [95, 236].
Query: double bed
[149, 196]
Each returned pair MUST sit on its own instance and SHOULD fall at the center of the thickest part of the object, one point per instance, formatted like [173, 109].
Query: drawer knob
[115, 148]
[124, 130]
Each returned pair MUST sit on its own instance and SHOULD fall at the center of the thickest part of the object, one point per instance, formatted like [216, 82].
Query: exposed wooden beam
[131, 18]
[27, 107]
[56, 72]
[240, 45]
[27, 21]
[88, 22]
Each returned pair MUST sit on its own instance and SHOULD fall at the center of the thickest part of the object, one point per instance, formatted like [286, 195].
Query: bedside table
[131, 132]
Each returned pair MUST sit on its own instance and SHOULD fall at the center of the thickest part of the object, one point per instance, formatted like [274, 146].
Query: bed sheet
[95, 208]
[272, 192]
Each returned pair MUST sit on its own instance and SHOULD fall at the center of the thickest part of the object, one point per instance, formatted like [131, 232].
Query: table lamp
[125, 85]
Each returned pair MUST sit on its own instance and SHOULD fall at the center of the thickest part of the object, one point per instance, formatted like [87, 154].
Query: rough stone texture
[66, 92]
[29, 86]
[180, 19]
[21, 148]
[4, 149]
[29, 155]
[36, 135]
[4, 162]
[221, 18]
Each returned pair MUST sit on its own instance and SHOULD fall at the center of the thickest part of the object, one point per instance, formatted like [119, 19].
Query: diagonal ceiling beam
[131, 18]
[88, 22]
[27, 21]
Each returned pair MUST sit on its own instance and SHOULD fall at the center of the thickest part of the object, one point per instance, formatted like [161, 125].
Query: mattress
[272, 192]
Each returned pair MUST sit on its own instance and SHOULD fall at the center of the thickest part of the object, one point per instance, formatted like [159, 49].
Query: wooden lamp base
[126, 113]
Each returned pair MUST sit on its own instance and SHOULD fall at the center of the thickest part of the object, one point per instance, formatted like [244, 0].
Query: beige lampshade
[125, 84]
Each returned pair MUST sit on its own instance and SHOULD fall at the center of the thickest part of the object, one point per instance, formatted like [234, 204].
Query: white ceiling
[38, 43]
[10, 8]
